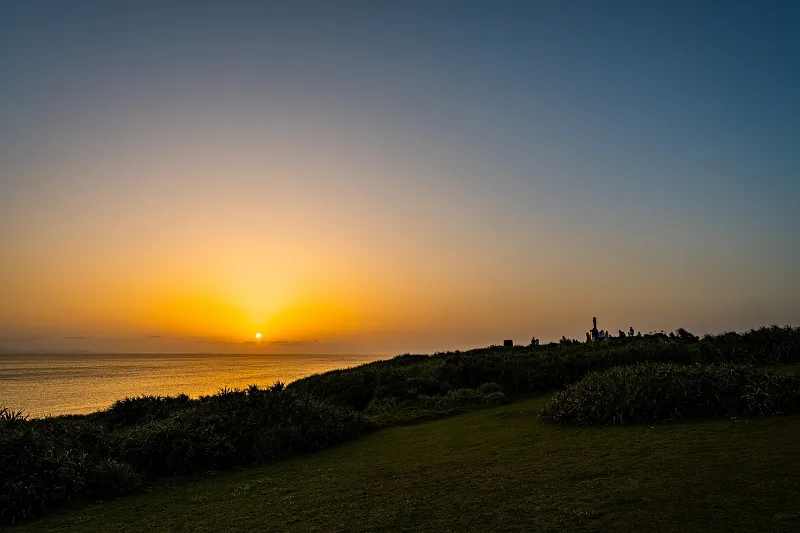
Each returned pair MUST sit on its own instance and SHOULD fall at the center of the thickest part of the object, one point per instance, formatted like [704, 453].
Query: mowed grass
[497, 469]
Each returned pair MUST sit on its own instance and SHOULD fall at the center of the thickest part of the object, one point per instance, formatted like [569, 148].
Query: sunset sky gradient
[362, 177]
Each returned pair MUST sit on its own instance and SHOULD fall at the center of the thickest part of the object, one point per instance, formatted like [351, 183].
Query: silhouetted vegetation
[46, 463]
[131, 411]
[389, 410]
[654, 392]
[528, 370]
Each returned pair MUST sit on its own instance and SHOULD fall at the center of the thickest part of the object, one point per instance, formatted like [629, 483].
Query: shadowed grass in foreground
[498, 469]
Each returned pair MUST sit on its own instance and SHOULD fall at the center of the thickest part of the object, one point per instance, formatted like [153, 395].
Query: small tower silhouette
[595, 333]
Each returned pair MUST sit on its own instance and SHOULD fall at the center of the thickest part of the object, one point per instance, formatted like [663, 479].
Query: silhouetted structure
[534, 341]
[594, 332]
[508, 343]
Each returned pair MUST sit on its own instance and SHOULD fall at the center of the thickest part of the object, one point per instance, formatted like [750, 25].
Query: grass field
[497, 469]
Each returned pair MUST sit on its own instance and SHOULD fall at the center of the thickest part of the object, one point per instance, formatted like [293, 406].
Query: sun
[258, 336]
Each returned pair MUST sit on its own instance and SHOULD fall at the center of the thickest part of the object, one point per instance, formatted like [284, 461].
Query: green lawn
[789, 369]
[497, 469]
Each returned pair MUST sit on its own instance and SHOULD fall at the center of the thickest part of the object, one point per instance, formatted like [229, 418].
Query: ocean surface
[43, 385]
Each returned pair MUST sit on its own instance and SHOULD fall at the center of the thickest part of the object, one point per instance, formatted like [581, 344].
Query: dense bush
[48, 462]
[453, 399]
[131, 411]
[235, 428]
[768, 346]
[524, 370]
[664, 392]
[463, 397]
[514, 370]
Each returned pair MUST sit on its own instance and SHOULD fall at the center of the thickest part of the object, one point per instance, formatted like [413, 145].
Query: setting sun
[258, 336]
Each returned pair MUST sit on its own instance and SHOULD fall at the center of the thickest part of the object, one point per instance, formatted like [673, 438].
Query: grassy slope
[498, 469]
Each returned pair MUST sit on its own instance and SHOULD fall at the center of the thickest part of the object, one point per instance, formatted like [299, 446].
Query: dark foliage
[769, 346]
[235, 428]
[9, 418]
[131, 411]
[49, 462]
[653, 392]
[525, 370]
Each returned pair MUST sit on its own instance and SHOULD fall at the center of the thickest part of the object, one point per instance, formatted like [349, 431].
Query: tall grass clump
[648, 393]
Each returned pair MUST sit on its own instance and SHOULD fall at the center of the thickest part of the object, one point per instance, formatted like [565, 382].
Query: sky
[367, 177]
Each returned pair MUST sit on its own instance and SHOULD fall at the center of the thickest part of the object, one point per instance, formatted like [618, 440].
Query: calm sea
[66, 384]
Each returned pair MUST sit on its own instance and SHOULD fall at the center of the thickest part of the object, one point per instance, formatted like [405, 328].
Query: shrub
[462, 397]
[487, 388]
[664, 392]
[46, 463]
[453, 399]
[236, 428]
[131, 411]
[772, 345]
[525, 370]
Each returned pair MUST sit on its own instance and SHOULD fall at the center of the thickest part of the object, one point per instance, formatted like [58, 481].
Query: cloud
[26, 338]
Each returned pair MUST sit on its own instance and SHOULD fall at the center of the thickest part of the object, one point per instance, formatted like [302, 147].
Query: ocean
[57, 384]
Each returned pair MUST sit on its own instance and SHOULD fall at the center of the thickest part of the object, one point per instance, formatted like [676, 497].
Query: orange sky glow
[413, 183]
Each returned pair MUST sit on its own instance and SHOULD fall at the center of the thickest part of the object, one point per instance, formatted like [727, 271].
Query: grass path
[498, 469]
